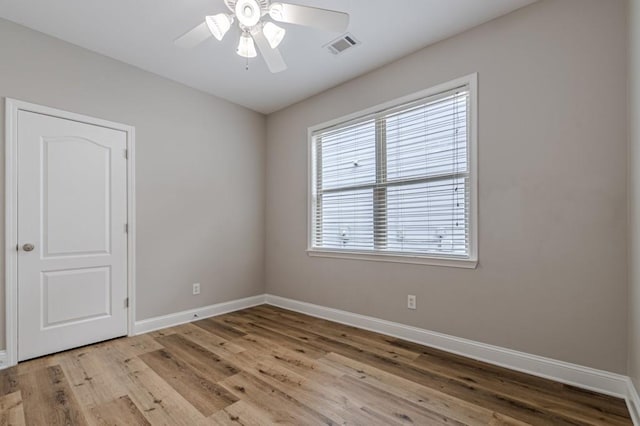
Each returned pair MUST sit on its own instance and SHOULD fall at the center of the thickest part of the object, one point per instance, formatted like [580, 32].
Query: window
[398, 182]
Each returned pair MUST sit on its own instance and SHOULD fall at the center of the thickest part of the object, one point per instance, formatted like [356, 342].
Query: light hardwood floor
[266, 365]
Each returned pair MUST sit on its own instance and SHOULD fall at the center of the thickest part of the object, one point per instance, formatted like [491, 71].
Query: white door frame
[12, 106]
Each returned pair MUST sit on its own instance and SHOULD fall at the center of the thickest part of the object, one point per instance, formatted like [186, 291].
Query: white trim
[131, 229]
[471, 261]
[12, 106]
[473, 161]
[11, 232]
[576, 375]
[633, 402]
[170, 320]
[400, 258]
[572, 374]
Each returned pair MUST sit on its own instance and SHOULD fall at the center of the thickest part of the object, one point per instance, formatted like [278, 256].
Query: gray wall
[634, 193]
[193, 226]
[552, 278]
[552, 274]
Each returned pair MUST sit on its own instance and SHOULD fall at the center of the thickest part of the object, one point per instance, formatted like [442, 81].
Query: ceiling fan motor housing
[263, 5]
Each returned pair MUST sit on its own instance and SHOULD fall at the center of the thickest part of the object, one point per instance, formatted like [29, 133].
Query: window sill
[395, 258]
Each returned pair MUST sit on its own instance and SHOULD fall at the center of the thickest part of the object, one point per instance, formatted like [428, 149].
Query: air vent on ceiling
[343, 43]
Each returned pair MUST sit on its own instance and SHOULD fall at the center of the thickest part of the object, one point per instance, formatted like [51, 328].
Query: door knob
[28, 247]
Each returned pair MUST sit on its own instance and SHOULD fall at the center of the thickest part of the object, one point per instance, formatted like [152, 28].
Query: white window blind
[396, 181]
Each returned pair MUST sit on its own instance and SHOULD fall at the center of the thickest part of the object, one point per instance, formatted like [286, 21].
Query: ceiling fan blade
[272, 57]
[323, 19]
[193, 37]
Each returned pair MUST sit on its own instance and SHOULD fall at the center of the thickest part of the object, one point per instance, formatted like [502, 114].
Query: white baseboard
[170, 320]
[572, 374]
[584, 377]
[3, 360]
[633, 402]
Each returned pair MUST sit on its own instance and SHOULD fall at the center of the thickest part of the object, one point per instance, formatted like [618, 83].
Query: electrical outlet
[411, 301]
[196, 288]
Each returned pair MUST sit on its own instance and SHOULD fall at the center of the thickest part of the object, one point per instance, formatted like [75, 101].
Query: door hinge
[126, 228]
[126, 154]
[126, 302]
[17, 247]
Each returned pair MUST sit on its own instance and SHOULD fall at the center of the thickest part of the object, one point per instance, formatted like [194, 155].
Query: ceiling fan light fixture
[258, 32]
[248, 12]
[276, 11]
[246, 47]
[273, 33]
[219, 25]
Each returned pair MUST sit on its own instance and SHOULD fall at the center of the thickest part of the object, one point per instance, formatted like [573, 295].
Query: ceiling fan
[251, 16]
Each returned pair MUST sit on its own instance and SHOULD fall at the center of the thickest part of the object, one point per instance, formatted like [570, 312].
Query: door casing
[12, 106]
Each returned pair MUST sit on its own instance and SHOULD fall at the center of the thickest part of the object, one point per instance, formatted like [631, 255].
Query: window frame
[470, 261]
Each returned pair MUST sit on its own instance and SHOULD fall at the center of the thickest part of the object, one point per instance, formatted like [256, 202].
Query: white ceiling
[141, 33]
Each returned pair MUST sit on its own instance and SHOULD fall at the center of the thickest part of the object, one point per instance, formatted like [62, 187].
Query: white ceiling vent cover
[343, 43]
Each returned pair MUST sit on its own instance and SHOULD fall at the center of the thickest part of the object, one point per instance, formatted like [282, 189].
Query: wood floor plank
[201, 392]
[567, 393]
[507, 405]
[136, 345]
[313, 383]
[216, 344]
[160, 403]
[320, 330]
[38, 364]
[521, 392]
[355, 336]
[48, 399]
[207, 363]
[219, 329]
[120, 411]
[437, 401]
[393, 407]
[309, 368]
[328, 396]
[267, 365]
[293, 338]
[91, 383]
[305, 389]
[11, 410]
[461, 389]
[239, 322]
[8, 381]
[281, 407]
[266, 336]
[334, 399]
[241, 413]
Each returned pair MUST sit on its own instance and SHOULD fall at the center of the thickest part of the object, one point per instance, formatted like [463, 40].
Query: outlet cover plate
[411, 301]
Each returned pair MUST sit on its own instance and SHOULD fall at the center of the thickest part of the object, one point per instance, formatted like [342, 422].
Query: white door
[72, 251]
